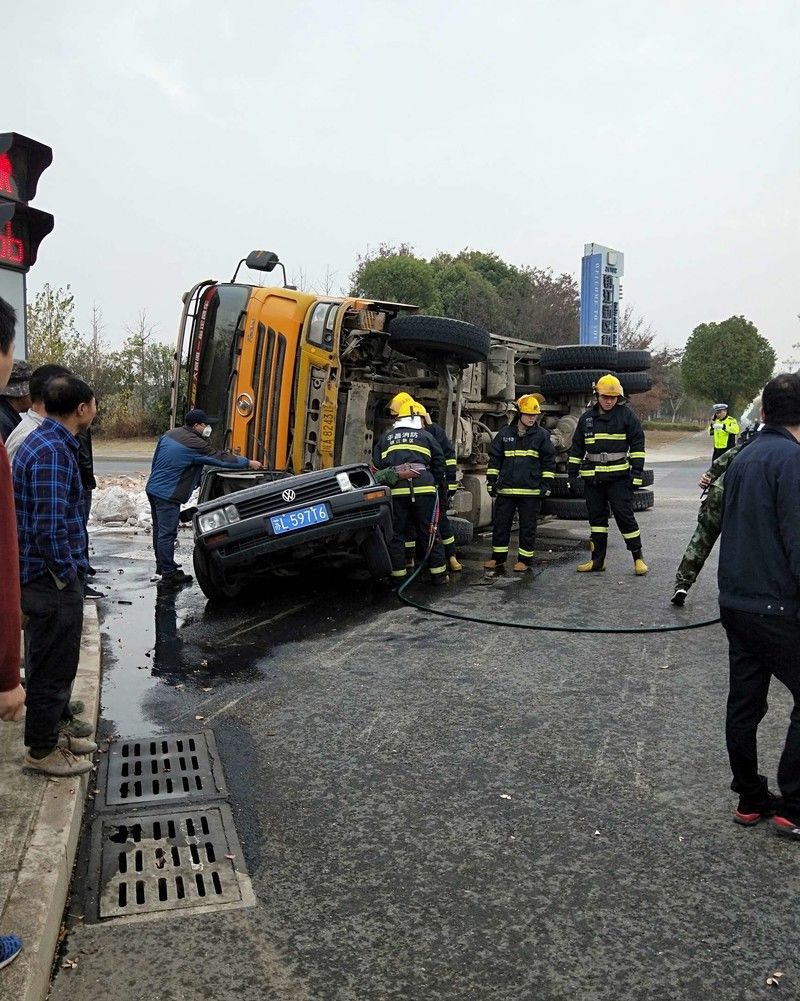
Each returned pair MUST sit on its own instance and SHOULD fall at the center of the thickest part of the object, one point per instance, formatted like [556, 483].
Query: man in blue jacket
[759, 596]
[177, 465]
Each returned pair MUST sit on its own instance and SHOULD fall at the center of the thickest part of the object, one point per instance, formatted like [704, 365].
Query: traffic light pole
[22, 228]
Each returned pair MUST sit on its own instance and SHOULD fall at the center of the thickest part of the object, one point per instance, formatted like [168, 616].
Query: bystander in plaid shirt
[48, 495]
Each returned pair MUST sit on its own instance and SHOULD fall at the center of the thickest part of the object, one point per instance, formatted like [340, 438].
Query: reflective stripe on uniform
[492, 472]
[399, 573]
[411, 544]
[452, 486]
[602, 436]
[631, 535]
[575, 459]
[441, 569]
[636, 455]
[599, 528]
[450, 462]
[519, 492]
[406, 448]
[499, 549]
[449, 541]
[526, 552]
[522, 453]
[548, 474]
[406, 491]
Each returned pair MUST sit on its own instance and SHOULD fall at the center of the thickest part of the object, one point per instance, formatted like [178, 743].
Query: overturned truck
[301, 382]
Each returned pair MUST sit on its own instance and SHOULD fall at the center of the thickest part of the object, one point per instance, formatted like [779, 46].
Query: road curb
[35, 903]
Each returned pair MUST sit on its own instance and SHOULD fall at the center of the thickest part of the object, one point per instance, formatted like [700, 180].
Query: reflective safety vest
[607, 445]
[724, 433]
[522, 461]
[404, 445]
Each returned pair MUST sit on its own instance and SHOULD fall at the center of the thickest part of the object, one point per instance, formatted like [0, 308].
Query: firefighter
[608, 452]
[522, 462]
[447, 491]
[408, 446]
[723, 430]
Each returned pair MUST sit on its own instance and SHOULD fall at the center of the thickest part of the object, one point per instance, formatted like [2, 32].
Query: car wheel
[221, 592]
[376, 555]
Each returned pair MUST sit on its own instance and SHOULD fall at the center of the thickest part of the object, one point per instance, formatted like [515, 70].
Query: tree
[477, 286]
[394, 274]
[728, 361]
[635, 333]
[52, 336]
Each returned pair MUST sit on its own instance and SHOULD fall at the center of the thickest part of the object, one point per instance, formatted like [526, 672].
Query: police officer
[723, 429]
[522, 463]
[608, 452]
[408, 446]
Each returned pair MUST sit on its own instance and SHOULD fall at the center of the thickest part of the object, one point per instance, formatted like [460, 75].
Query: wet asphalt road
[437, 810]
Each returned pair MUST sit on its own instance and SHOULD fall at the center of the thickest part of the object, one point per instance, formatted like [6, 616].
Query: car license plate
[291, 521]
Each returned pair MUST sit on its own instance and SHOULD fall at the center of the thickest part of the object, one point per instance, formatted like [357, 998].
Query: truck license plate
[301, 518]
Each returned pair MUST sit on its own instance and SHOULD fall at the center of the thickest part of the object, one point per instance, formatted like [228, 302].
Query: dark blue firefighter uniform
[522, 464]
[413, 501]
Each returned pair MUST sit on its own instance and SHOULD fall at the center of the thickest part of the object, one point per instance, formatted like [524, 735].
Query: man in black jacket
[759, 596]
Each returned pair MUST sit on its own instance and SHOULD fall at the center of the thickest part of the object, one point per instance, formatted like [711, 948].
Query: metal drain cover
[172, 861]
[146, 770]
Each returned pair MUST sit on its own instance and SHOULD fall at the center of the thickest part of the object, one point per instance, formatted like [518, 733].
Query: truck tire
[633, 361]
[574, 509]
[578, 356]
[219, 592]
[463, 531]
[643, 500]
[415, 335]
[573, 381]
[636, 382]
[376, 555]
[561, 488]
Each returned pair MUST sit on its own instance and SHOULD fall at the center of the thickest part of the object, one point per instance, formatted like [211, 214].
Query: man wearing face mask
[177, 466]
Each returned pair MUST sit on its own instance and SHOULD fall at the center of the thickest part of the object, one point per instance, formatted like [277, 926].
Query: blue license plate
[291, 521]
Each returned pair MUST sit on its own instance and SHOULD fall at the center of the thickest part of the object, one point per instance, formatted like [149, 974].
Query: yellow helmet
[528, 404]
[404, 405]
[608, 385]
[398, 403]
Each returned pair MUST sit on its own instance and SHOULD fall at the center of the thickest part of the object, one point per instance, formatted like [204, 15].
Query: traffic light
[22, 228]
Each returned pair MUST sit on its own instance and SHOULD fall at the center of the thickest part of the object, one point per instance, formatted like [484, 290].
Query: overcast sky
[186, 134]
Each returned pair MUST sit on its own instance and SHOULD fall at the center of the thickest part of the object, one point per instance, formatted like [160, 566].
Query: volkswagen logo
[288, 495]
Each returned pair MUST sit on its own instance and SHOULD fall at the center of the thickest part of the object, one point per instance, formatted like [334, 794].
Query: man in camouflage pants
[709, 525]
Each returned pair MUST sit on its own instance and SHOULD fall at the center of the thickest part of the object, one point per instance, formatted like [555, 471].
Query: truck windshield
[212, 351]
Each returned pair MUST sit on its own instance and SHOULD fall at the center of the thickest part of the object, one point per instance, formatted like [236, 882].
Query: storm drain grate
[172, 861]
[149, 770]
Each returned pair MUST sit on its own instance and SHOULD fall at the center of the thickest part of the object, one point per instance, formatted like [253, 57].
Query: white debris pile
[119, 501]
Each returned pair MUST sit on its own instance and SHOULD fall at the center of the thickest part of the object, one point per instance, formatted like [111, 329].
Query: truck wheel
[633, 361]
[214, 590]
[636, 382]
[573, 381]
[573, 509]
[579, 356]
[463, 531]
[414, 335]
[643, 500]
[376, 555]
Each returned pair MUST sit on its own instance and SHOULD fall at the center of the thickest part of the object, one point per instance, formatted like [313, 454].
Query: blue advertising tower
[601, 292]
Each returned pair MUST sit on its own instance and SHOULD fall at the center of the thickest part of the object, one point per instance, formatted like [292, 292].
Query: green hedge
[669, 426]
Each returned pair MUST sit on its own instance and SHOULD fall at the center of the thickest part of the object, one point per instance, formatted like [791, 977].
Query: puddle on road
[175, 638]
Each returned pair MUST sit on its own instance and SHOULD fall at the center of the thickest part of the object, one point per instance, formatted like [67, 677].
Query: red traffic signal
[22, 229]
[22, 163]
